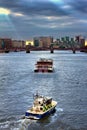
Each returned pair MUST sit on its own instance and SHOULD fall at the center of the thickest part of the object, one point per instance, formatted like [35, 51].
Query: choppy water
[67, 85]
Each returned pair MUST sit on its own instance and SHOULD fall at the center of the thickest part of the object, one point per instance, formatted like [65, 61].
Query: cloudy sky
[25, 19]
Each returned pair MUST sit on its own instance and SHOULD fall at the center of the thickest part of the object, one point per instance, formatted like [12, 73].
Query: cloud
[78, 5]
[18, 14]
[28, 18]
[4, 11]
[47, 8]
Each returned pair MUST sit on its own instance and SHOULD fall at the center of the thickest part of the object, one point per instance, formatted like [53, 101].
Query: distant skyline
[25, 19]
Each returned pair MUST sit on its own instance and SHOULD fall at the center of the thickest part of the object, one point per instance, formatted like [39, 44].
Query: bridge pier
[74, 50]
[27, 48]
[51, 51]
[27, 51]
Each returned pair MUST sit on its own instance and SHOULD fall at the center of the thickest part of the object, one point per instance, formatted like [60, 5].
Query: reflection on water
[67, 85]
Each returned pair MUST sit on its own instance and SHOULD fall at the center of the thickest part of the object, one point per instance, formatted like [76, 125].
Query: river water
[67, 85]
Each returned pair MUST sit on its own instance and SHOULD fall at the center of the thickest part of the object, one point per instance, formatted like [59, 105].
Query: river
[67, 85]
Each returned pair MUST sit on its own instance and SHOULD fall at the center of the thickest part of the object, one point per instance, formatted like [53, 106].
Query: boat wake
[21, 124]
[60, 109]
[25, 124]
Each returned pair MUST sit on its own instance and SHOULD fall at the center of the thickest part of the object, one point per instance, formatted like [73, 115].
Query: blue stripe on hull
[39, 116]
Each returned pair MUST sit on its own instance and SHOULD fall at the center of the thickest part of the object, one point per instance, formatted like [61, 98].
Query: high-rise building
[36, 41]
[43, 41]
[67, 38]
[81, 40]
[77, 38]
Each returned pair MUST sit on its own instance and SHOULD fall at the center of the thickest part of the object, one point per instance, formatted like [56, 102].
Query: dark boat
[44, 65]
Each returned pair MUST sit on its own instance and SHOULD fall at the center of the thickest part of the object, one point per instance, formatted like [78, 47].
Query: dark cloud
[47, 8]
[43, 17]
[79, 5]
[33, 8]
[8, 4]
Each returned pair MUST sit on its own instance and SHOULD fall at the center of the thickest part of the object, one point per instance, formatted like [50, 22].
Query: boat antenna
[36, 95]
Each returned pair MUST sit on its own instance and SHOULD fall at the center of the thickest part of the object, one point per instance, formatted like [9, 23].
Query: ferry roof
[44, 59]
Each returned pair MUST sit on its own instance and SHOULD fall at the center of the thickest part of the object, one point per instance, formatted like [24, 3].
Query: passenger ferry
[44, 65]
[42, 106]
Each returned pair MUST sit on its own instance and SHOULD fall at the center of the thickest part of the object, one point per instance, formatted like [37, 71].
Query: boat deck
[54, 103]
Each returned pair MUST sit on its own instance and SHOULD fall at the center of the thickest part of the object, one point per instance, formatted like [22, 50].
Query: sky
[26, 19]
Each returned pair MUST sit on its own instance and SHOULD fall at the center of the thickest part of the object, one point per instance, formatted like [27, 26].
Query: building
[36, 41]
[43, 41]
[18, 44]
[80, 40]
[5, 43]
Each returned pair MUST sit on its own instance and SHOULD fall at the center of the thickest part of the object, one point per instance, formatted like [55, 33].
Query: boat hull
[39, 116]
[43, 71]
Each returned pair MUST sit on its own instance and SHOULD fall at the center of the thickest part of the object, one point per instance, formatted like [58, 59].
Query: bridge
[28, 49]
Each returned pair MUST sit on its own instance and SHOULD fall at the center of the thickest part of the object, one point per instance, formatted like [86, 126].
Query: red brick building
[5, 43]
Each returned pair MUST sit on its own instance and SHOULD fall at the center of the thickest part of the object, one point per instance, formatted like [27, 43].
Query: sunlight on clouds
[48, 25]
[6, 23]
[52, 18]
[66, 7]
[66, 24]
[4, 11]
[83, 21]
[18, 14]
[56, 1]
